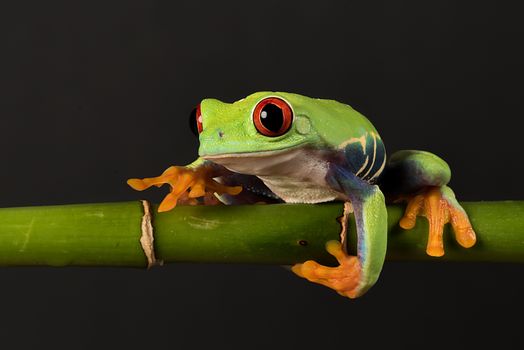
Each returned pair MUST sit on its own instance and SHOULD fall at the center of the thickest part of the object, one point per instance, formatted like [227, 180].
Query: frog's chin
[303, 163]
[260, 163]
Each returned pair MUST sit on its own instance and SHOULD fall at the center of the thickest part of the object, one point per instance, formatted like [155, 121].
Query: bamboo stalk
[108, 234]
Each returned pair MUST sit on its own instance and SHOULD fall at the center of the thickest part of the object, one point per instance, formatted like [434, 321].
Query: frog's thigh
[409, 171]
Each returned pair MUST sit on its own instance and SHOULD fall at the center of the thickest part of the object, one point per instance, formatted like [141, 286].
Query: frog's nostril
[220, 133]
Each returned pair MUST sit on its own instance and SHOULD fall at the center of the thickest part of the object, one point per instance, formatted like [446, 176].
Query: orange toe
[410, 215]
[464, 233]
[137, 184]
[168, 203]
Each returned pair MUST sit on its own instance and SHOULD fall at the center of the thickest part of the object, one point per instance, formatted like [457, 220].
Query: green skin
[321, 123]
[330, 152]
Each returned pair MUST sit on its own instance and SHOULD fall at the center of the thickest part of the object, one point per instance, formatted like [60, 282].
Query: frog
[281, 147]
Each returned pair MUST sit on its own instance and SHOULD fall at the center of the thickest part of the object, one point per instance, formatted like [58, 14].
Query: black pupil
[193, 122]
[272, 117]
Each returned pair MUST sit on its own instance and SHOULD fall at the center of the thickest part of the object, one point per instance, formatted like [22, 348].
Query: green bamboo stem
[108, 234]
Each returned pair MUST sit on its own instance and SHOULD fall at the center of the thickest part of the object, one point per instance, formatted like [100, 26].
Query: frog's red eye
[195, 120]
[272, 117]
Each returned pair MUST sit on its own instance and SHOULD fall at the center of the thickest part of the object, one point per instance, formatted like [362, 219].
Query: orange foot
[439, 206]
[186, 184]
[344, 279]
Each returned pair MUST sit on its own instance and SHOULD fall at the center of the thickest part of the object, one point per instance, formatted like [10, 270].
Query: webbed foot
[187, 184]
[439, 206]
[344, 279]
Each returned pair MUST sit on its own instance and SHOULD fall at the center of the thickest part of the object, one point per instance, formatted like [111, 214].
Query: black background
[92, 93]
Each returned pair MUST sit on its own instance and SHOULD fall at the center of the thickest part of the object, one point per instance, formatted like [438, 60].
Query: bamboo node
[147, 238]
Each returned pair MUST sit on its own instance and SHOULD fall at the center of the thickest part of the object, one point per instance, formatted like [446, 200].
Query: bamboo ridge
[109, 234]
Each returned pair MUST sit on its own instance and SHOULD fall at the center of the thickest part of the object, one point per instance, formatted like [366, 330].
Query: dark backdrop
[92, 93]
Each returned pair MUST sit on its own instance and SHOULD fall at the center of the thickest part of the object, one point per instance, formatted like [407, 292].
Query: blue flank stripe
[366, 162]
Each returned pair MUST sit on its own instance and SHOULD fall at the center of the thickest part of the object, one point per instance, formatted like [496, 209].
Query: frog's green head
[272, 121]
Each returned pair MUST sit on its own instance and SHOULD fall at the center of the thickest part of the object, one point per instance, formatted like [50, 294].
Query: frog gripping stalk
[276, 147]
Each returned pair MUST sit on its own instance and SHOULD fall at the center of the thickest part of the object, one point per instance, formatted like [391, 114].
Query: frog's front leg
[420, 179]
[187, 183]
[355, 274]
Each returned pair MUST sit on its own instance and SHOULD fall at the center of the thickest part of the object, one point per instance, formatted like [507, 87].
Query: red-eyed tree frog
[281, 147]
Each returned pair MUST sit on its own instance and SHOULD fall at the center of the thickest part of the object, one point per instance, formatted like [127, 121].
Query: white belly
[296, 175]
[293, 191]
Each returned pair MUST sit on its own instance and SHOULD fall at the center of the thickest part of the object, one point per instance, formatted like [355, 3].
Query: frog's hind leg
[420, 178]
